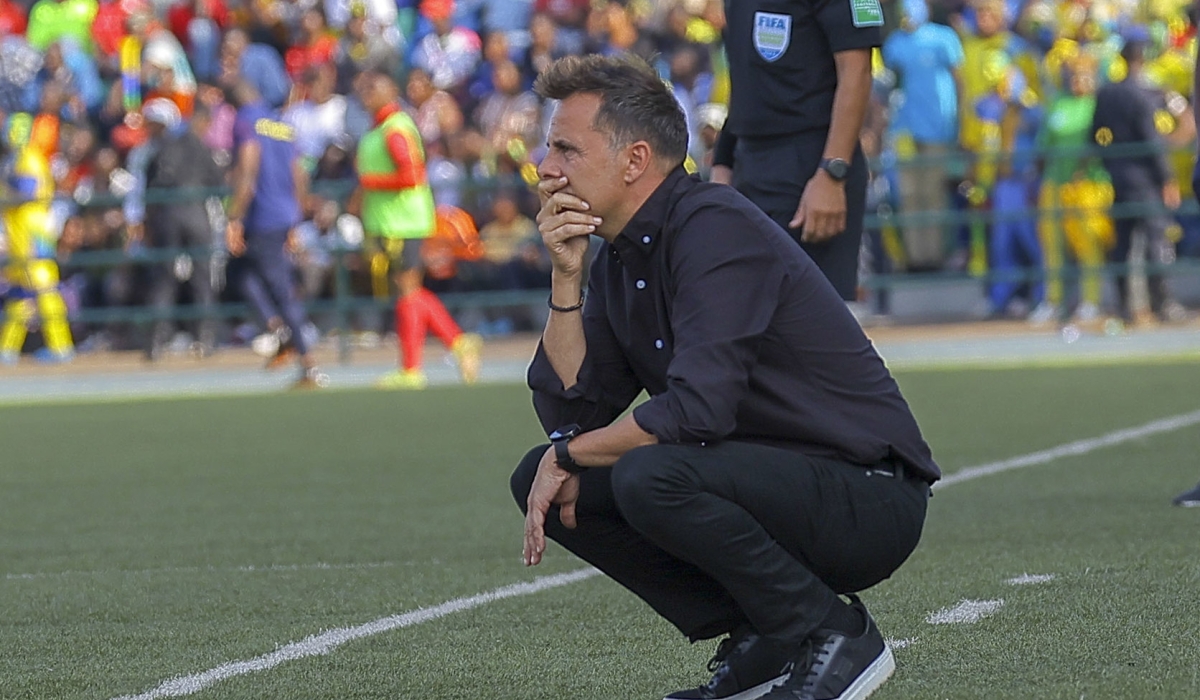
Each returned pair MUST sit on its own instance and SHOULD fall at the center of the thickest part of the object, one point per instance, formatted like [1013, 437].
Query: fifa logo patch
[772, 33]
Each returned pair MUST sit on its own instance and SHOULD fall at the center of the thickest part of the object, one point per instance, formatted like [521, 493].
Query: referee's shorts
[772, 172]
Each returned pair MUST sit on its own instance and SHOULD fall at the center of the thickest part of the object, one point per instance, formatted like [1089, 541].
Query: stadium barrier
[344, 304]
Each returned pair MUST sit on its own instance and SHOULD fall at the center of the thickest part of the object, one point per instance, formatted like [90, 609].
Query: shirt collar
[385, 112]
[646, 225]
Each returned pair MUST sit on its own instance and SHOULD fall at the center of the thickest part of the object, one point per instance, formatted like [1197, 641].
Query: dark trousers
[714, 537]
[268, 285]
[772, 172]
[183, 228]
[1158, 249]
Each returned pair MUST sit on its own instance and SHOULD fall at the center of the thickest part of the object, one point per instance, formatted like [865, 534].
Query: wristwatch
[836, 168]
[559, 438]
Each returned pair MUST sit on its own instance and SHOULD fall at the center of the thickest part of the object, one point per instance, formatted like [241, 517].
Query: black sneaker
[834, 666]
[746, 666]
[1191, 499]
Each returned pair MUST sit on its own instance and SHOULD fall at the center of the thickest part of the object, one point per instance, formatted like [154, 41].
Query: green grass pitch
[148, 540]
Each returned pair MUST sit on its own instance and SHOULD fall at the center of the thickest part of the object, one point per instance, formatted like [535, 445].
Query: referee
[800, 77]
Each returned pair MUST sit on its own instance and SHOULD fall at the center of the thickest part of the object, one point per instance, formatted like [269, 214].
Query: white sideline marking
[967, 612]
[900, 643]
[326, 642]
[1027, 579]
[1072, 449]
[203, 569]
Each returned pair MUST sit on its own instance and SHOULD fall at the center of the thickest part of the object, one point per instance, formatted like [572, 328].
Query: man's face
[989, 20]
[583, 155]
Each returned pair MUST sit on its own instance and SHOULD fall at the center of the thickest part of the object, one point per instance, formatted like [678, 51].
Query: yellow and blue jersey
[30, 188]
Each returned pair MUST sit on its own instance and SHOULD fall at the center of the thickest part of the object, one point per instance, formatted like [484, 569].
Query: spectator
[692, 85]
[927, 58]
[167, 73]
[437, 116]
[363, 47]
[259, 64]
[12, 18]
[510, 116]
[511, 19]
[1125, 116]
[109, 29]
[1075, 196]
[315, 46]
[512, 248]
[320, 116]
[51, 20]
[449, 54]
[19, 66]
[570, 16]
[198, 24]
[495, 52]
[543, 47]
[182, 168]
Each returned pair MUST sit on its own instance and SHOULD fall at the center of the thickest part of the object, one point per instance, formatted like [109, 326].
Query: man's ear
[640, 157]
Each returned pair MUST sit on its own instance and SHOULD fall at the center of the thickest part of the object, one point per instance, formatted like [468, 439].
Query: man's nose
[548, 169]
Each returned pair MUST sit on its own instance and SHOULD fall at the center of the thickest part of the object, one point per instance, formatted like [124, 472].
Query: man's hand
[1171, 196]
[235, 238]
[551, 486]
[565, 225]
[134, 233]
[721, 174]
[293, 245]
[822, 211]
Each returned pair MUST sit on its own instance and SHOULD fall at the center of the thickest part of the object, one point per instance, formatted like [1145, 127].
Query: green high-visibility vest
[406, 213]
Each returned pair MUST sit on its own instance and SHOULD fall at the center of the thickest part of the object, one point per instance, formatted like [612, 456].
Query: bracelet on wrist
[566, 309]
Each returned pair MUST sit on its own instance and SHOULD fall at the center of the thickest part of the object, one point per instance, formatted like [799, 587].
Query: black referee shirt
[734, 332]
[782, 74]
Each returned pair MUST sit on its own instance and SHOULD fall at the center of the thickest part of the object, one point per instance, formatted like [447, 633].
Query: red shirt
[181, 15]
[109, 27]
[319, 52]
[12, 18]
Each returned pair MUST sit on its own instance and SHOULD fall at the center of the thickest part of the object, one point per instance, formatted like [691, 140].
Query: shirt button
[658, 344]
[641, 284]
[646, 240]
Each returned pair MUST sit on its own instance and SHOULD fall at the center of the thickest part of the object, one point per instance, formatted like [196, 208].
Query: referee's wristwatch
[562, 456]
[836, 168]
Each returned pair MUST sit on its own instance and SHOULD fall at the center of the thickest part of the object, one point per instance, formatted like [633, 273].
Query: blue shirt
[262, 67]
[925, 58]
[274, 207]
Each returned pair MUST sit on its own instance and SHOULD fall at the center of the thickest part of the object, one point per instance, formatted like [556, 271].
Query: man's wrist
[566, 292]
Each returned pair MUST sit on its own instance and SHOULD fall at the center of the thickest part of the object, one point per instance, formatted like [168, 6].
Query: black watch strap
[560, 439]
[562, 456]
[836, 168]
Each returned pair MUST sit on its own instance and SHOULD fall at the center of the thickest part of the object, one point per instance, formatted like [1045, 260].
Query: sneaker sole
[751, 694]
[874, 676]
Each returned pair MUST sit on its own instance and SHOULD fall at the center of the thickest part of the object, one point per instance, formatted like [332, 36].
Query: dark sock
[843, 618]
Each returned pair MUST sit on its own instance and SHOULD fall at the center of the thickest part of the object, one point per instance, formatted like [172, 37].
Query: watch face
[838, 168]
[564, 433]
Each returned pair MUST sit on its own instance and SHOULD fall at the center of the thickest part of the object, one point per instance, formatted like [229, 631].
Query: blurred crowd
[989, 107]
[967, 93]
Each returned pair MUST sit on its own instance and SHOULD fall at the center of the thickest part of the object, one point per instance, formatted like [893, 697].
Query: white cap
[162, 111]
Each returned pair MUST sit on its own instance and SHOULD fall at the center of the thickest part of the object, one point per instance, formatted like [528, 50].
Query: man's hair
[635, 104]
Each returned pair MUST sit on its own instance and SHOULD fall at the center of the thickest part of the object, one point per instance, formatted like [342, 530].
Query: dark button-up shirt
[713, 310]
